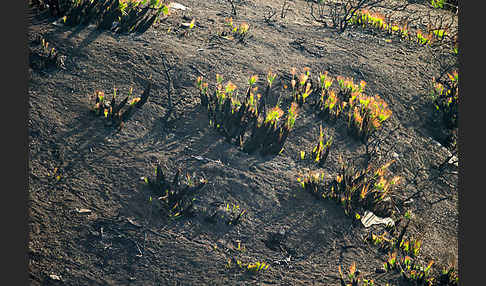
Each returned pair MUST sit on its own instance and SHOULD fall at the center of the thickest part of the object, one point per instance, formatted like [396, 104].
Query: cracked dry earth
[94, 224]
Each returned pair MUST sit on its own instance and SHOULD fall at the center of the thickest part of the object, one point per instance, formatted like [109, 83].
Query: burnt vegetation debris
[177, 197]
[116, 114]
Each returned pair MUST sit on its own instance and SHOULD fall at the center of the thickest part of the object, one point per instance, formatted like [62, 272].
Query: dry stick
[349, 12]
[285, 9]
[377, 141]
[415, 181]
[443, 164]
[441, 199]
[267, 17]
[421, 189]
[233, 7]
[311, 6]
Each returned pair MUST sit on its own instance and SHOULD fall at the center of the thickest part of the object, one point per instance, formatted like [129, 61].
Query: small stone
[55, 277]
[83, 211]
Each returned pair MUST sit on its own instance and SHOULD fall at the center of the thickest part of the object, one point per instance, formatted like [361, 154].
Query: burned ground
[91, 221]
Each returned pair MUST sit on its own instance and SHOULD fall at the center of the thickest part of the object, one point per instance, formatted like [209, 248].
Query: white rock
[175, 5]
[370, 219]
[55, 277]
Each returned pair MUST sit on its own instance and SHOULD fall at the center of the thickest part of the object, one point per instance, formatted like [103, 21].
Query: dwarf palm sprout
[235, 214]
[391, 261]
[303, 79]
[115, 113]
[176, 196]
[239, 33]
[244, 27]
[229, 92]
[301, 87]
[229, 23]
[421, 38]
[234, 117]
[274, 116]
[368, 113]
[364, 113]
[364, 18]
[100, 102]
[252, 80]
[203, 92]
[347, 87]
[356, 190]
[292, 115]
[331, 102]
[252, 99]
[270, 78]
[445, 97]
[325, 84]
[321, 150]
[439, 33]
[302, 155]
[353, 275]
[257, 266]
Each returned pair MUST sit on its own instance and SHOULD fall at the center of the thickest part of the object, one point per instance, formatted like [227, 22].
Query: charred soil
[94, 220]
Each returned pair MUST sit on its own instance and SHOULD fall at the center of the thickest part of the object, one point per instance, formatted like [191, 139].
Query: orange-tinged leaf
[352, 268]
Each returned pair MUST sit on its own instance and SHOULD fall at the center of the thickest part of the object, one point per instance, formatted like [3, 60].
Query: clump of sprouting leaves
[234, 116]
[117, 15]
[118, 113]
[356, 190]
[257, 267]
[410, 269]
[354, 276]
[252, 267]
[234, 31]
[452, 5]
[270, 133]
[235, 213]
[320, 152]
[448, 276]
[445, 96]
[402, 256]
[46, 56]
[52, 57]
[393, 239]
[364, 18]
[364, 189]
[455, 42]
[423, 38]
[131, 12]
[439, 33]
[230, 213]
[177, 198]
[227, 112]
[329, 105]
[364, 114]
[313, 183]
[301, 86]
